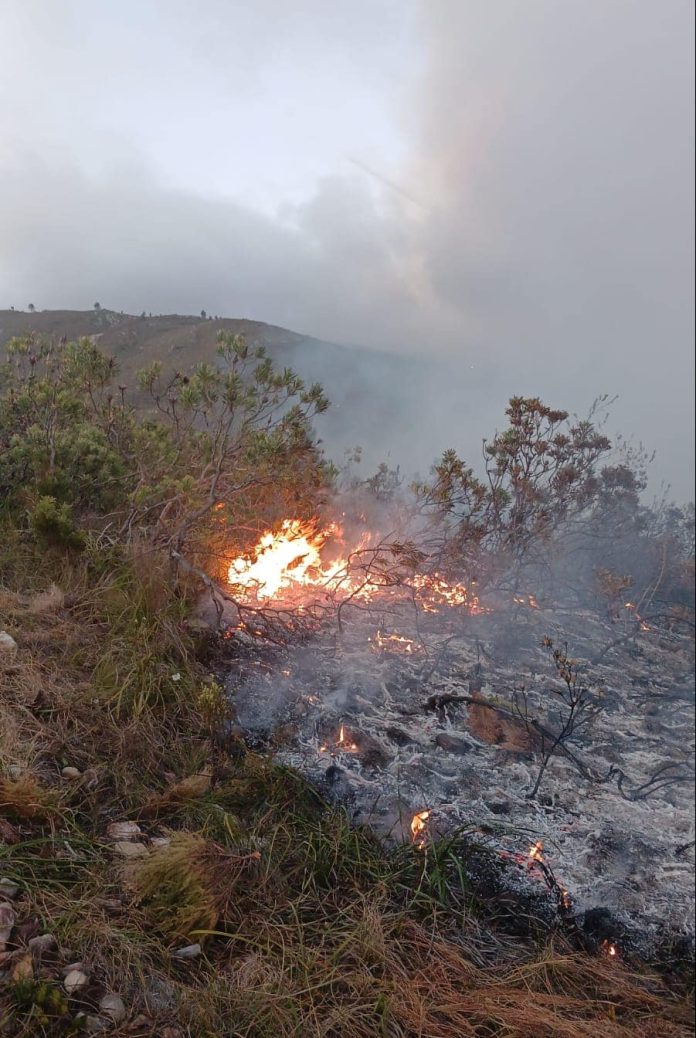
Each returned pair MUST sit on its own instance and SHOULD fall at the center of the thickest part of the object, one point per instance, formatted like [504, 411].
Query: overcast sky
[508, 184]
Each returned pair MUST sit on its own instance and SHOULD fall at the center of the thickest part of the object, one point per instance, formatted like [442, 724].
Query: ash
[388, 728]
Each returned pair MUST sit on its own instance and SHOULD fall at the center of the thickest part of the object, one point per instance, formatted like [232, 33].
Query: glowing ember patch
[419, 824]
[610, 950]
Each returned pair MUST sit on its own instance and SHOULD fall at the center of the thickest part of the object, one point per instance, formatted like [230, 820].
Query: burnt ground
[413, 740]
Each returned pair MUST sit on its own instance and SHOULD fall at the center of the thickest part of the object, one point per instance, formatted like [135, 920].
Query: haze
[503, 188]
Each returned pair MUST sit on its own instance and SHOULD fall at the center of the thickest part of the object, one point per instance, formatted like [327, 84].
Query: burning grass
[309, 926]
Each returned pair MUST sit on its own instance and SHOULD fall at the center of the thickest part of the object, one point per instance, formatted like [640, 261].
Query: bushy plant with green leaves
[544, 470]
[226, 445]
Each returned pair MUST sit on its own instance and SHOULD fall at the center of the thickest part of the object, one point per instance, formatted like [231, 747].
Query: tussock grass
[309, 926]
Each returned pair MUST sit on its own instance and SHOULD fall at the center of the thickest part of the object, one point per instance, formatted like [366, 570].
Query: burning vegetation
[348, 728]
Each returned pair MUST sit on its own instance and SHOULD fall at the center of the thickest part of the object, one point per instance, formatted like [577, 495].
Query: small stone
[452, 744]
[123, 830]
[8, 646]
[113, 1007]
[95, 1024]
[160, 841]
[42, 944]
[498, 807]
[189, 951]
[128, 849]
[74, 980]
[70, 772]
[7, 921]
[8, 889]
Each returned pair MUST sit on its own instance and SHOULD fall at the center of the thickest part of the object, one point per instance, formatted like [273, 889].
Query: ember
[610, 950]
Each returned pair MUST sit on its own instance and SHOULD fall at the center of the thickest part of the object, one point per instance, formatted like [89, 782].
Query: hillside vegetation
[158, 877]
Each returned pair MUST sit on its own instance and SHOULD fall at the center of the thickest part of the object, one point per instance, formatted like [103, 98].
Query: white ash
[631, 857]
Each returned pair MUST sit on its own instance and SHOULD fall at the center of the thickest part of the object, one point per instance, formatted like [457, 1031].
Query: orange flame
[610, 950]
[536, 852]
[632, 608]
[394, 643]
[286, 565]
[419, 827]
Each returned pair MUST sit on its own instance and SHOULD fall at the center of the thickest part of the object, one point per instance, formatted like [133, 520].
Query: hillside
[284, 760]
[404, 409]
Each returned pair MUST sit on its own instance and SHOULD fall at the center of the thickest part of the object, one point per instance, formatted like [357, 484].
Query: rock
[74, 981]
[7, 921]
[499, 807]
[113, 1007]
[95, 1024]
[42, 944]
[71, 772]
[400, 737]
[189, 951]
[128, 849]
[8, 833]
[8, 646]
[160, 841]
[452, 744]
[72, 966]
[123, 830]
[8, 889]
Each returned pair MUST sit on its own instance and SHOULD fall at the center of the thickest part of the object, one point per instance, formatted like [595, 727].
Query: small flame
[419, 826]
[526, 600]
[536, 852]
[341, 743]
[610, 950]
[394, 643]
[632, 608]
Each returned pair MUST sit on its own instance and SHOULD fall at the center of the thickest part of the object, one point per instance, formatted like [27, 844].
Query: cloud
[537, 226]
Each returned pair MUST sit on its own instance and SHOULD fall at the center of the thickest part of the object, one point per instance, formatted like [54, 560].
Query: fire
[394, 643]
[527, 600]
[342, 744]
[536, 852]
[419, 827]
[285, 560]
[632, 608]
[290, 565]
[610, 949]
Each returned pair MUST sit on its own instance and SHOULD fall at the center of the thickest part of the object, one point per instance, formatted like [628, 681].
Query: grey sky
[507, 184]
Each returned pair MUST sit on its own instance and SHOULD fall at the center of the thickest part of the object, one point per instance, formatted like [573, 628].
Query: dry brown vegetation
[308, 927]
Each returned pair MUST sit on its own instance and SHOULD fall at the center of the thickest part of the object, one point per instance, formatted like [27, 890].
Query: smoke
[525, 227]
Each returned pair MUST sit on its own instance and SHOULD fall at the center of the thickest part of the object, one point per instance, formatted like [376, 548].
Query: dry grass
[310, 928]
